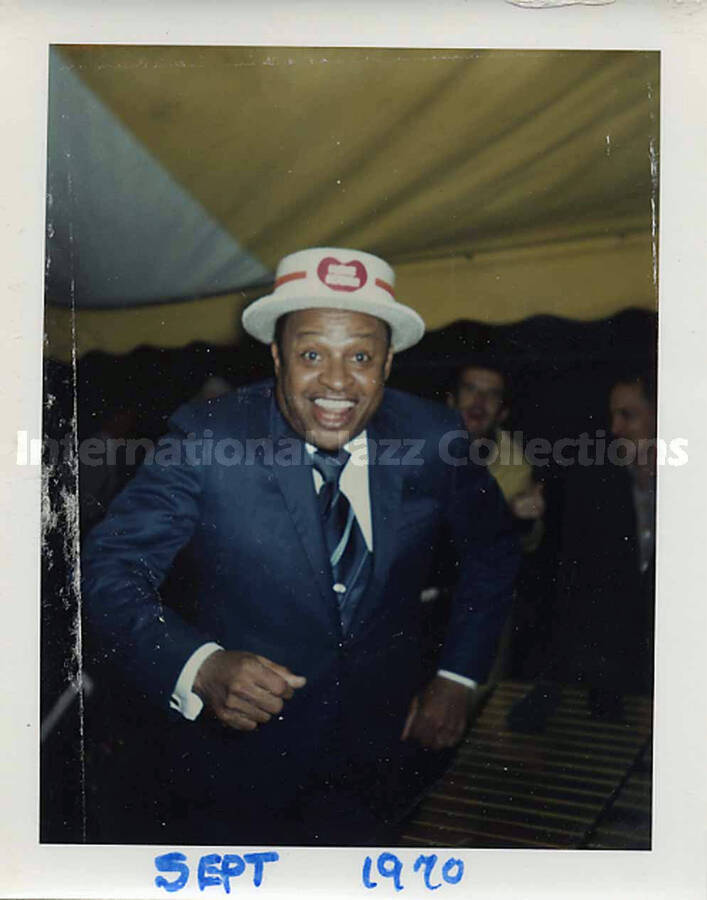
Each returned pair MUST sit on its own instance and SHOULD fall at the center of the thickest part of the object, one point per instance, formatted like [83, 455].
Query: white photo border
[675, 866]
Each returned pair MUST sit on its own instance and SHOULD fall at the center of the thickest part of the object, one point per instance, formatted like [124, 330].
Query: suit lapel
[295, 483]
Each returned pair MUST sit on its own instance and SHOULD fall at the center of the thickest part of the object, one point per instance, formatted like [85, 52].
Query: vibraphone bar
[549, 790]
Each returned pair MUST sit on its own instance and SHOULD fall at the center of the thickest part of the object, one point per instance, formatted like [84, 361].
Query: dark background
[561, 371]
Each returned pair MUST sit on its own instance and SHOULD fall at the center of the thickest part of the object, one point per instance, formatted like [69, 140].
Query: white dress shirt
[355, 487]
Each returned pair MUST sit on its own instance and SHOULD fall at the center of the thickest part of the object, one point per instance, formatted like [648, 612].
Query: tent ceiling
[123, 230]
[425, 157]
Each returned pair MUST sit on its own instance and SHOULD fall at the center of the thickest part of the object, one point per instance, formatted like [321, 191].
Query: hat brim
[406, 326]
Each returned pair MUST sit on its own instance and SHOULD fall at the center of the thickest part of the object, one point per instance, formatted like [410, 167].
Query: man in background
[481, 393]
[603, 633]
[608, 555]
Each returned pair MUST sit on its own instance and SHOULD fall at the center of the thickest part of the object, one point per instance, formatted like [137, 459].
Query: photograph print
[349, 447]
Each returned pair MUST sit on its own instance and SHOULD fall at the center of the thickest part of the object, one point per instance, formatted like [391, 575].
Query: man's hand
[528, 504]
[437, 718]
[244, 690]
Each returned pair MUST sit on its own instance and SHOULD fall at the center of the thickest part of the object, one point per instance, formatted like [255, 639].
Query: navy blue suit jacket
[248, 522]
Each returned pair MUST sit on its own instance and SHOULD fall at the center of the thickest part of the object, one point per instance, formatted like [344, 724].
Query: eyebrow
[353, 337]
[475, 384]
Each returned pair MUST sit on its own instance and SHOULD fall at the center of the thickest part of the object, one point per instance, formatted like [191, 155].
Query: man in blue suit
[309, 509]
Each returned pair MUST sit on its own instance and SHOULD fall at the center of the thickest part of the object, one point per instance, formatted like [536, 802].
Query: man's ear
[388, 364]
[503, 415]
[275, 353]
[451, 402]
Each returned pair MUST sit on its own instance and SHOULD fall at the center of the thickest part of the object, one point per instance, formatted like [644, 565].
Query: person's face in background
[330, 367]
[633, 417]
[479, 399]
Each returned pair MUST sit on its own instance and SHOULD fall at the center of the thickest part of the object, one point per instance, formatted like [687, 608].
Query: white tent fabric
[123, 231]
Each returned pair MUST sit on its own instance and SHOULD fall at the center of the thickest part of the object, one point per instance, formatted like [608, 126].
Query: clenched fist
[244, 690]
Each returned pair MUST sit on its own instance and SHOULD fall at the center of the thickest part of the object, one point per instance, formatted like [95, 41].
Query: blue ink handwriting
[388, 865]
[213, 870]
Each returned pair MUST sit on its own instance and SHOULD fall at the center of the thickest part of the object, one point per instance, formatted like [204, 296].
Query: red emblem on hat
[348, 276]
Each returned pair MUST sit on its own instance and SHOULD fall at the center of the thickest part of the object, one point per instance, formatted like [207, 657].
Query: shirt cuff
[184, 700]
[452, 676]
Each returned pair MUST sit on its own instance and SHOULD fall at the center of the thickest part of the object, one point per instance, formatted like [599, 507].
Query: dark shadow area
[561, 372]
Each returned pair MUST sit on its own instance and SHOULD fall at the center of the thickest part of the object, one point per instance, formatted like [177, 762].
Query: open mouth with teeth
[332, 412]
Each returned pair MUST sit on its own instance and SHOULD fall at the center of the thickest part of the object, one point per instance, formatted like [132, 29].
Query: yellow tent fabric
[212, 320]
[591, 280]
[499, 184]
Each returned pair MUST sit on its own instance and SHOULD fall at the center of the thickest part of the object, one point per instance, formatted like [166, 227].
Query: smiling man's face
[331, 368]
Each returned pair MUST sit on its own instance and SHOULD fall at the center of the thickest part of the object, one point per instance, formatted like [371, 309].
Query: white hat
[334, 278]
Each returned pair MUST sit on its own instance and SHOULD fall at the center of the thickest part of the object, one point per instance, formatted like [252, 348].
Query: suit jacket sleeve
[124, 563]
[482, 529]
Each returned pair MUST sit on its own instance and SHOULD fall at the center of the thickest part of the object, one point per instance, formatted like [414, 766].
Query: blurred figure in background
[481, 393]
[603, 639]
[109, 463]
